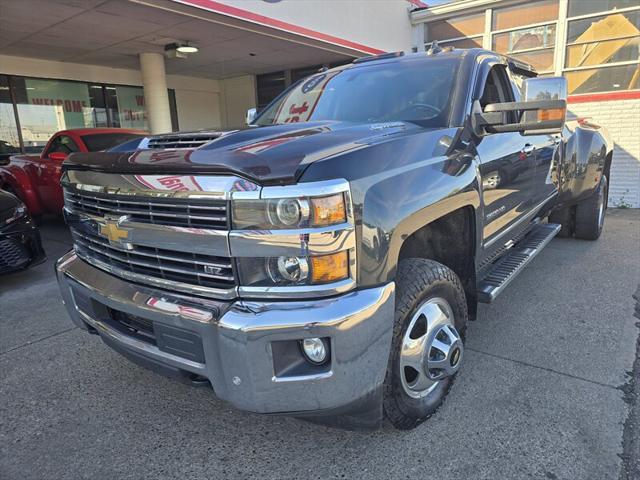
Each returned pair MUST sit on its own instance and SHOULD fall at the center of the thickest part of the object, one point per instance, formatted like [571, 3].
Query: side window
[64, 144]
[498, 89]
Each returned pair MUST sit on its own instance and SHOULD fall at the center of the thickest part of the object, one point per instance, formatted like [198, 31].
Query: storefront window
[96, 96]
[604, 27]
[130, 110]
[47, 106]
[533, 45]
[467, 26]
[525, 14]
[9, 139]
[269, 86]
[585, 7]
[464, 43]
[525, 39]
[625, 77]
[609, 42]
[610, 51]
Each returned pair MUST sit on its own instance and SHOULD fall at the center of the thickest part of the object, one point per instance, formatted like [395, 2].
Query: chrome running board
[512, 263]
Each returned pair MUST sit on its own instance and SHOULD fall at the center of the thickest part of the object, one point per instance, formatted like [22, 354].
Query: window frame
[555, 24]
[565, 45]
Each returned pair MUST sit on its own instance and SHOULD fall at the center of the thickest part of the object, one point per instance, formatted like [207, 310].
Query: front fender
[405, 201]
[19, 182]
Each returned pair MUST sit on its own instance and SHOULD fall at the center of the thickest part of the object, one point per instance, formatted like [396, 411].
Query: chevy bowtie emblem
[113, 232]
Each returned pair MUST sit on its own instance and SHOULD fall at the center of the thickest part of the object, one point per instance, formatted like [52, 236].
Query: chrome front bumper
[238, 338]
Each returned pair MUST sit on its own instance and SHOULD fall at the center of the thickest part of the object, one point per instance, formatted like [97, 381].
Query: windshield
[414, 91]
[101, 141]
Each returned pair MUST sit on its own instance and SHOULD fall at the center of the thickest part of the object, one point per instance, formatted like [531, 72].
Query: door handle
[528, 149]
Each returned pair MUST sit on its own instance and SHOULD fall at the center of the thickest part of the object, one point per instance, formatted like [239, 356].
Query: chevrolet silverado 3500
[324, 261]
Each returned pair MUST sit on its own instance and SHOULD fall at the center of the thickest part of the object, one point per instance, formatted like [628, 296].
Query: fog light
[315, 350]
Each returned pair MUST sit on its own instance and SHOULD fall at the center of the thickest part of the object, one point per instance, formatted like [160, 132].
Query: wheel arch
[450, 239]
[21, 185]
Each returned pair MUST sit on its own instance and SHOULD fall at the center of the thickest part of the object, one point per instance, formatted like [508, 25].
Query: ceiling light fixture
[181, 47]
[187, 48]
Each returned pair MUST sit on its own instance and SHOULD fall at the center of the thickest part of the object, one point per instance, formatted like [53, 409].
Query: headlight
[294, 240]
[13, 215]
[294, 271]
[289, 213]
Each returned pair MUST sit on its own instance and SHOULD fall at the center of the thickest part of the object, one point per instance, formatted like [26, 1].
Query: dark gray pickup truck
[324, 261]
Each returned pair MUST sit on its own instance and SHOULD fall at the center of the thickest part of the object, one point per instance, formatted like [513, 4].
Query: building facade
[95, 63]
[108, 63]
[595, 44]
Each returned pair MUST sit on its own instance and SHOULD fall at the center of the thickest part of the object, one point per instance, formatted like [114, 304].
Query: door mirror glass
[543, 110]
[545, 88]
[252, 113]
[58, 156]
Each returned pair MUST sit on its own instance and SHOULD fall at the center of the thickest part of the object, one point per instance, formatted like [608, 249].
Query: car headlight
[289, 213]
[295, 239]
[15, 214]
[294, 270]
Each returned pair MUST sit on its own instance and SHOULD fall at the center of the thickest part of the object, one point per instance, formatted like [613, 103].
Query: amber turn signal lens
[328, 210]
[550, 114]
[330, 268]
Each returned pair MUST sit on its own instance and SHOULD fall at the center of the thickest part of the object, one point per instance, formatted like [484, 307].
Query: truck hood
[276, 154]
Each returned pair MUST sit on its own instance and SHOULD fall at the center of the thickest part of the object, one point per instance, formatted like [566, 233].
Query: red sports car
[35, 179]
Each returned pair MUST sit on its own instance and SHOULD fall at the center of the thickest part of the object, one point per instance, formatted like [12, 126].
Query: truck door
[546, 154]
[507, 166]
[48, 170]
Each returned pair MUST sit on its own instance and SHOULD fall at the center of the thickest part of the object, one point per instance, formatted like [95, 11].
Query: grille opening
[176, 266]
[209, 214]
[138, 327]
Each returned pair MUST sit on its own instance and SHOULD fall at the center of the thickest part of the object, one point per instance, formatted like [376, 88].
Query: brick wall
[622, 119]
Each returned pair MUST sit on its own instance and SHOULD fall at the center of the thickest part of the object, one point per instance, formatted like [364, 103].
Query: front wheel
[427, 346]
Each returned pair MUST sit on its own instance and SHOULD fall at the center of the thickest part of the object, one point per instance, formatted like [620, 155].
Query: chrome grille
[176, 266]
[192, 140]
[210, 214]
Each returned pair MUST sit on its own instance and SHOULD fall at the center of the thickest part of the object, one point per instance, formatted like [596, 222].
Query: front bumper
[20, 245]
[240, 340]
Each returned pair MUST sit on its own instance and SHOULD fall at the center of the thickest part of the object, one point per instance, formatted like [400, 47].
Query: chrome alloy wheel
[431, 348]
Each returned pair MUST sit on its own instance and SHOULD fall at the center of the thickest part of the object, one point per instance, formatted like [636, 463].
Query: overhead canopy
[113, 32]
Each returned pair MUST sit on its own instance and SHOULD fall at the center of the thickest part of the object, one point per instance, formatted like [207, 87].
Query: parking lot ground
[541, 393]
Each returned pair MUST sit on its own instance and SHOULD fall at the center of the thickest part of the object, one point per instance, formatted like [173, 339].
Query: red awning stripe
[242, 14]
[603, 97]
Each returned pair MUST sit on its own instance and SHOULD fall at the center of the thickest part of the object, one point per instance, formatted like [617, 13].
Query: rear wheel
[590, 213]
[427, 346]
[563, 217]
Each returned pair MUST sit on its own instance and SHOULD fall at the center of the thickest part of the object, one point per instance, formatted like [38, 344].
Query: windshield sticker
[300, 103]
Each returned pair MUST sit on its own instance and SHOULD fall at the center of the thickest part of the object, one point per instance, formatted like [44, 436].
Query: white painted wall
[198, 99]
[382, 24]
[239, 94]
[622, 119]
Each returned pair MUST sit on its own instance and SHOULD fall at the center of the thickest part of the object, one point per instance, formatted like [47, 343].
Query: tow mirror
[58, 156]
[543, 110]
[252, 113]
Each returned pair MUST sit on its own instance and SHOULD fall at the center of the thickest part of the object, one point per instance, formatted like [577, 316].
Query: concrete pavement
[539, 394]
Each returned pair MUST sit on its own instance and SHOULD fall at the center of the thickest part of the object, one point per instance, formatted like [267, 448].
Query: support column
[156, 96]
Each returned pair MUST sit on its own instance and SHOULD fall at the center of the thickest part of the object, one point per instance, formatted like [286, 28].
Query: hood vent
[182, 140]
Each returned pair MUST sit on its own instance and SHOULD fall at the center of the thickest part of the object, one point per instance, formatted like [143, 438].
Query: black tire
[563, 217]
[417, 281]
[590, 213]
